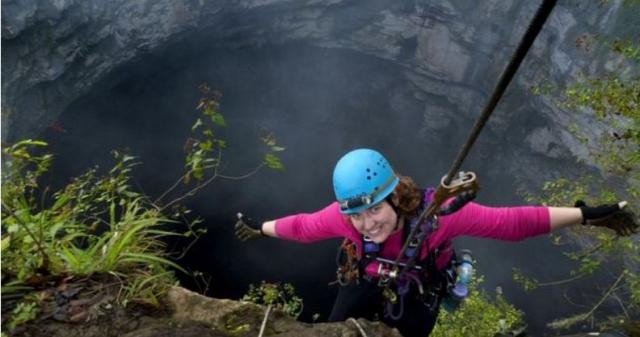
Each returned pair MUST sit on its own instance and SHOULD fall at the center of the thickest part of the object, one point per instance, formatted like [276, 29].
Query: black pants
[365, 300]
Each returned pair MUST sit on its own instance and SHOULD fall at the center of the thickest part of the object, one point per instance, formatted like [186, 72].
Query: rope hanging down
[525, 43]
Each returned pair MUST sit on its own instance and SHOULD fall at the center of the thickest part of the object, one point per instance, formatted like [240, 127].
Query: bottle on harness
[464, 272]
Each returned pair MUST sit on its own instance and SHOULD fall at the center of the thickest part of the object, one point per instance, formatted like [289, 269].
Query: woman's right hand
[246, 229]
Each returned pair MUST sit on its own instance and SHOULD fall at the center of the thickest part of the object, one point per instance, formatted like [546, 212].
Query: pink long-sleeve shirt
[504, 223]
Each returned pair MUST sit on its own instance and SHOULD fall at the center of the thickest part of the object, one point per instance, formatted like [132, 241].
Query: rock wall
[188, 314]
[54, 51]
[450, 54]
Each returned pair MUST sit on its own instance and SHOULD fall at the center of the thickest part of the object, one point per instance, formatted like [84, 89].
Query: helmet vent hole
[368, 177]
[368, 170]
[375, 173]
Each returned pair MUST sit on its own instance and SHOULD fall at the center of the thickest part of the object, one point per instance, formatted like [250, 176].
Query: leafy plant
[599, 249]
[480, 315]
[97, 234]
[613, 100]
[95, 225]
[204, 150]
[279, 296]
[24, 312]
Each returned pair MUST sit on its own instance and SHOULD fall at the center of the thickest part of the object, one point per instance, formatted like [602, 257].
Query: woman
[374, 212]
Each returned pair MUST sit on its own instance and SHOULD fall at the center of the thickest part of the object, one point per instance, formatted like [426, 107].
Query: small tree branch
[622, 306]
[254, 171]
[606, 295]
[554, 283]
[189, 193]
[173, 187]
[209, 181]
[590, 251]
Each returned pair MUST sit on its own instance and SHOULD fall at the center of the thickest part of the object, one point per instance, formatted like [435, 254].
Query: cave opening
[320, 103]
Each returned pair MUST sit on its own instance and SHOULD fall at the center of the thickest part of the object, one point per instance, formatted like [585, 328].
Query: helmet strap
[395, 208]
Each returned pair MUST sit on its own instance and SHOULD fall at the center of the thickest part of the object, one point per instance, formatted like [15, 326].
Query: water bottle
[465, 273]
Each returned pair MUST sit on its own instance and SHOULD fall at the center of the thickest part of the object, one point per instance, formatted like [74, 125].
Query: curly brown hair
[406, 197]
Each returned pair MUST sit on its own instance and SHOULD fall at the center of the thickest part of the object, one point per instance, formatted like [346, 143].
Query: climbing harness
[425, 277]
[462, 187]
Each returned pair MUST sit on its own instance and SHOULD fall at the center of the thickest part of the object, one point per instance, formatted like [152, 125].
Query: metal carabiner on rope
[463, 187]
[464, 181]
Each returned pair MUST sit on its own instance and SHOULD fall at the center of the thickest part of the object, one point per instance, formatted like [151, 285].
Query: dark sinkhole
[320, 103]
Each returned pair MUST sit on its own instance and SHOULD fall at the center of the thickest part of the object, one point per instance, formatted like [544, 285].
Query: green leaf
[62, 200]
[197, 124]
[218, 119]
[12, 228]
[5, 242]
[206, 145]
[273, 162]
[148, 258]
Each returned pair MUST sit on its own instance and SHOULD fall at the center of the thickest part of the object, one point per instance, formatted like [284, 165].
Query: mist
[320, 103]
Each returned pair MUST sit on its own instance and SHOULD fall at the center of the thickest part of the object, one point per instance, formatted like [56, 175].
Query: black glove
[612, 216]
[247, 229]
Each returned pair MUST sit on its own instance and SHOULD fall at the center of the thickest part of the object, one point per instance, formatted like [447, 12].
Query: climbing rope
[527, 40]
[264, 321]
[364, 334]
[505, 78]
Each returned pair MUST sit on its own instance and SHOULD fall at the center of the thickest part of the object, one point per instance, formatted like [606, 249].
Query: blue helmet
[361, 179]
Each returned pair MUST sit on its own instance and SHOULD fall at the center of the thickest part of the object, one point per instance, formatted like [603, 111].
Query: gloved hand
[247, 229]
[613, 216]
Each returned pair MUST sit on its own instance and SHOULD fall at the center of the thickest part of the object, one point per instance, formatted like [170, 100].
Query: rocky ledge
[190, 314]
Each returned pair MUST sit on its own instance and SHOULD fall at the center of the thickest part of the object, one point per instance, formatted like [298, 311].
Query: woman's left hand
[615, 217]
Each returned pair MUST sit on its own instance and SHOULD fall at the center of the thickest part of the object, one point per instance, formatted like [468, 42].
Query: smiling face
[377, 222]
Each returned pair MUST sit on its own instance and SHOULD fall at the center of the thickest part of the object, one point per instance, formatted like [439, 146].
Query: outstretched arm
[518, 223]
[303, 227]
